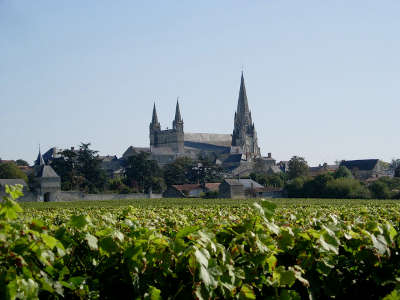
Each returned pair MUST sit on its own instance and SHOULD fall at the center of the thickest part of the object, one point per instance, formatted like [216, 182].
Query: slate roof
[46, 171]
[216, 139]
[361, 164]
[233, 182]
[206, 147]
[3, 182]
[233, 158]
[248, 182]
[135, 150]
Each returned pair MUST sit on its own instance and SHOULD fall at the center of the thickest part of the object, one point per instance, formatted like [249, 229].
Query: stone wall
[79, 196]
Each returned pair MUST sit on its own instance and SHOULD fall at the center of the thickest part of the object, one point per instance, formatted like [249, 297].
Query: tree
[346, 188]
[21, 162]
[297, 167]
[316, 187]
[179, 172]
[397, 172]
[143, 173]
[80, 169]
[10, 170]
[65, 167]
[89, 166]
[380, 190]
[343, 172]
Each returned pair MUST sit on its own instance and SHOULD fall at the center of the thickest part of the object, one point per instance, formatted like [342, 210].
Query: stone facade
[169, 140]
[231, 151]
[231, 188]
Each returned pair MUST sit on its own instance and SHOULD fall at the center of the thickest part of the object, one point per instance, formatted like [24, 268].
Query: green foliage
[379, 190]
[10, 170]
[21, 162]
[343, 172]
[143, 173]
[298, 167]
[346, 188]
[264, 251]
[80, 170]
[270, 180]
[177, 172]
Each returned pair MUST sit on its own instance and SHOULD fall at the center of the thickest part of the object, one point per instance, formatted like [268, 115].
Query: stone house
[364, 169]
[48, 183]
[322, 169]
[231, 188]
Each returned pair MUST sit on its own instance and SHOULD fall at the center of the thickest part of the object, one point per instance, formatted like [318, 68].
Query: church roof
[209, 138]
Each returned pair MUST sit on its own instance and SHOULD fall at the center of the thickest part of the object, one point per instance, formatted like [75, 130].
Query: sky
[322, 77]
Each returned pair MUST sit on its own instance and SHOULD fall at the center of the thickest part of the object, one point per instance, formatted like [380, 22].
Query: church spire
[243, 105]
[178, 117]
[154, 119]
[177, 124]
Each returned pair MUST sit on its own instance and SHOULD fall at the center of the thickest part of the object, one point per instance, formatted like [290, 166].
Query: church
[235, 152]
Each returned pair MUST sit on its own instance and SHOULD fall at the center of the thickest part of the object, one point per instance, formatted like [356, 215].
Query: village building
[48, 183]
[364, 169]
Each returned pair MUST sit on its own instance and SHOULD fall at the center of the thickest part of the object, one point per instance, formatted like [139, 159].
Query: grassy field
[195, 202]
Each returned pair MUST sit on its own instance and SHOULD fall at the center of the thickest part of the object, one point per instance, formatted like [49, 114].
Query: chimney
[269, 155]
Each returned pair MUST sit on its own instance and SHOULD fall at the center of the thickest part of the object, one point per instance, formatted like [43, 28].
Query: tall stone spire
[177, 124]
[178, 117]
[244, 134]
[154, 119]
[243, 105]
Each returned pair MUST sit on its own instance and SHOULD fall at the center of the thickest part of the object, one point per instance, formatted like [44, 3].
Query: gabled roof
[46, 171]
[212, 186]
[186, 187]
[135, 150]
[233, 182]
[361, 164]
[249, 183]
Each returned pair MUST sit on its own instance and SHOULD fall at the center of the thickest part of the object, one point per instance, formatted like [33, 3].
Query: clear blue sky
[322, 77]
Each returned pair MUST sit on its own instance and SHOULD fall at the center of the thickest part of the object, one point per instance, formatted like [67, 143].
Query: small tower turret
[177, 124]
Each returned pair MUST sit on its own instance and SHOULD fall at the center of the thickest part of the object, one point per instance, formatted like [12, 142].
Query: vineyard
[204, 249]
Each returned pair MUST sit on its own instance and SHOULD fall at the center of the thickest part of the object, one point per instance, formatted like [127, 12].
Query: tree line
[297, 183]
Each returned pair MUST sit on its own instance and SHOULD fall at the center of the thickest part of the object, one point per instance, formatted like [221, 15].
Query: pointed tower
[177, 124]
[244, 134]
[155, 128]
[39, 160]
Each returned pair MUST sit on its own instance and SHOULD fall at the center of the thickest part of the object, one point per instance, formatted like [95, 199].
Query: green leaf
[153, 293]
[49, 240]
[246, 292]
[92, 241]
[269, 208]
[79, 222]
